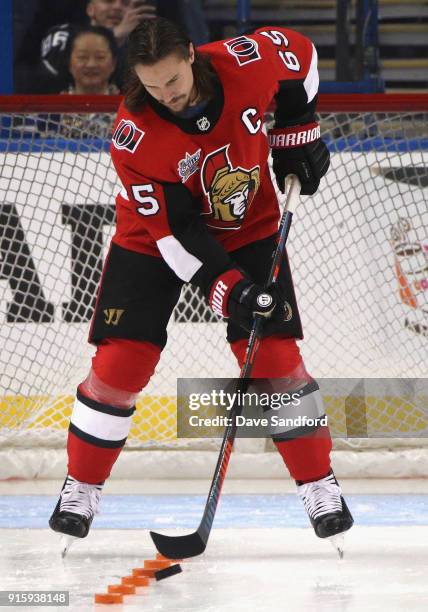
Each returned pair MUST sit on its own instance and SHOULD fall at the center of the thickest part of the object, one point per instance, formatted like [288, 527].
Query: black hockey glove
[248, 299]
[234, 296]
[299, 150]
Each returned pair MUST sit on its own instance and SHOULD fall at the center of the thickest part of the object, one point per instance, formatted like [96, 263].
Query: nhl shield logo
[203, 124]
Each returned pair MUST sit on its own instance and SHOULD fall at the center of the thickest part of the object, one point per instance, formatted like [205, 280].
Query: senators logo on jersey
[127, 136]
[229, 190]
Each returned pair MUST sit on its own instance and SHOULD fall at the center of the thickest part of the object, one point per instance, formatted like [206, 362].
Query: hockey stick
[193, 544]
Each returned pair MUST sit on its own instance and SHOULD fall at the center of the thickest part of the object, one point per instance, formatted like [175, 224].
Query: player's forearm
[290, 112]
[296, 99]
[190, 231]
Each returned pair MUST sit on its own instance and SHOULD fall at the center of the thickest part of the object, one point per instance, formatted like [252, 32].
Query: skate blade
[338, 543]
[66, 543]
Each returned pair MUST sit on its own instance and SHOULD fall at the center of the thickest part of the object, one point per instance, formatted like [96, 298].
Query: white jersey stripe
[312, 81]
[184, 264]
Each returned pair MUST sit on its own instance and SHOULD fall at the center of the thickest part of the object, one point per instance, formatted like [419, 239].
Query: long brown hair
[153, 40]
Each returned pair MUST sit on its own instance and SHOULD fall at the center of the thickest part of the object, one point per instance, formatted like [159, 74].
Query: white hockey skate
[77, 505]
[327, 510]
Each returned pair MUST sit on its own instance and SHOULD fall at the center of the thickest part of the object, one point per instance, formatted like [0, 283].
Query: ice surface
[242, 570]
[247, 566]
[237, 511]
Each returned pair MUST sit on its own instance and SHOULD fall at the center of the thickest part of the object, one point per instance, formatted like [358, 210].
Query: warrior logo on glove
[230, 190]
[264, 299]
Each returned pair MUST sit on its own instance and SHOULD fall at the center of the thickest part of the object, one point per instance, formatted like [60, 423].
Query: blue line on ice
[237, 511]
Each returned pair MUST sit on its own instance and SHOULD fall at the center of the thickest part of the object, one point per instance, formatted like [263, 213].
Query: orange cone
[125, 589]
[108, 598]
[142, 571]
[156, 564]
[136, 580]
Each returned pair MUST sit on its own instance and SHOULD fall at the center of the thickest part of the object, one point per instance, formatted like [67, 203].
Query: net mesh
[358, 251]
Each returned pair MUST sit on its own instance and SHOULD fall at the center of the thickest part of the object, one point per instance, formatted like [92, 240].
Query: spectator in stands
[119, 16]
[31, 20]
[34, 30]
[92, 57]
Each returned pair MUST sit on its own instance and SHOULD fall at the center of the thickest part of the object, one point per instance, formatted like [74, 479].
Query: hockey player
[197, 205]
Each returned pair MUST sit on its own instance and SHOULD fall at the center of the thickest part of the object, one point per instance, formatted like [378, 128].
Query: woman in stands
[92, 56]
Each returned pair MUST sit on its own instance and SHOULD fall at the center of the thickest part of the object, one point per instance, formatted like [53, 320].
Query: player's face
[170, 81]
[91, 63]
[107, 13]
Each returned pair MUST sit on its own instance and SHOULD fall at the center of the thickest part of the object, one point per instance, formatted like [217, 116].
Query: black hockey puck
[168, 571]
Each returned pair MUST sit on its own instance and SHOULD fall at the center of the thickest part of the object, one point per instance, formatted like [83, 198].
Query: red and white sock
[96, 435]
[307, 457]
[104, 406]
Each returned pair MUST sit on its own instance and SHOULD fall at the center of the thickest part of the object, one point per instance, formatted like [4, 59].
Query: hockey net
[359, 254]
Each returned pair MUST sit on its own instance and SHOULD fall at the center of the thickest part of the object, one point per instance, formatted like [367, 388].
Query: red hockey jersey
[197, 188]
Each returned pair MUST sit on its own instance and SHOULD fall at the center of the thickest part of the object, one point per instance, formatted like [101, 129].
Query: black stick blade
[179, 547]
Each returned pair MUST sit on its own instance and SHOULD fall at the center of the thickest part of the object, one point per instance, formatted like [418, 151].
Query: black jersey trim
[189, 125]
[292, 106]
